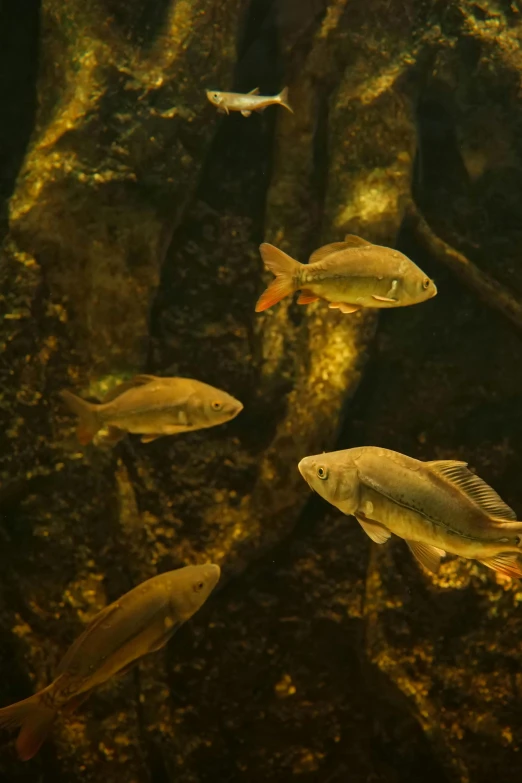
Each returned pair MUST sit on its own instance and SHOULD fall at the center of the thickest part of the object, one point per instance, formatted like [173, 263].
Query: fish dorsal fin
[327, 250]
[352, 240]
[255, 91]
[426, 554]
[101, 617]
[138, 380]
[475, 488]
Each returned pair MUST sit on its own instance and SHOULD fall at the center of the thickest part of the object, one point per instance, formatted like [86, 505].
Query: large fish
[153, 407]
[248, 102]
[436, 507]
[140, 622]
[349, 275]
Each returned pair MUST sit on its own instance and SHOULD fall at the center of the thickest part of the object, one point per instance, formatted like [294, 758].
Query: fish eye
[322, 472]
[426, 283]
[216, 405]
[198, 586]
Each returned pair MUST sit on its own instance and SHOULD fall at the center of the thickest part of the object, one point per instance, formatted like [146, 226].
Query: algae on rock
[134, 228]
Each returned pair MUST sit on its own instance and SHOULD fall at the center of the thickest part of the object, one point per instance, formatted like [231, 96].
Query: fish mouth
[434, 292]
[238, 407]
[215, 572]
[304, 469]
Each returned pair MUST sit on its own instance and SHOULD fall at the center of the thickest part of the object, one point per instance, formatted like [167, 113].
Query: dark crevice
[138, 21]
[19, 53]
[155, 763]
[439, 171]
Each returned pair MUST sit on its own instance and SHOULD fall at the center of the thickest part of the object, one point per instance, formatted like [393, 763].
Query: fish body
[436, 507]
[350, 275]
[140, 622]
[153, 407]
[246, 103]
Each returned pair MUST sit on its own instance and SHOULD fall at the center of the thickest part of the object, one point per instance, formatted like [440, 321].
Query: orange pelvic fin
[307, 297]
[506, 563]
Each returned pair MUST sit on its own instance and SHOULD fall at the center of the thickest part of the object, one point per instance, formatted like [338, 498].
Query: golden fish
[248, 102]
[349, 275]
[153, 407]
[436, 507]
[140, 622]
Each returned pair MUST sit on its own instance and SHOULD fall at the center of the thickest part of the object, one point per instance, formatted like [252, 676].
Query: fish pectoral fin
[335, 305]
[246, 113]
[429, 556]
[348, 308]
[506, 563]
[164, 638]
[76, 701]
[474, 487]
[255, 91]
[352, 240]
[374, 530]
[151, 436]
[127, 668]
[383, 298]
[306, 297]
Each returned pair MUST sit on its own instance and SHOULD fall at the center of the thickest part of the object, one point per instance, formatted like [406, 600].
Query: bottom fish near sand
[140, 622]
[437, 507]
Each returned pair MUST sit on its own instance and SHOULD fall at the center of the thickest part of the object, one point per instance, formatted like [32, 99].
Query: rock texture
[135, 213]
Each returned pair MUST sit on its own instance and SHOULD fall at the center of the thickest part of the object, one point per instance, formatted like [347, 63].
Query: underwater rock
[133, 245]
[452, 644]
[107, 185]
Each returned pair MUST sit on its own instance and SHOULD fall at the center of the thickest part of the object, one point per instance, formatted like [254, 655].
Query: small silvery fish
[349, 275]
[436, 507]
[140, 622]
[248, 102]
[152, 407]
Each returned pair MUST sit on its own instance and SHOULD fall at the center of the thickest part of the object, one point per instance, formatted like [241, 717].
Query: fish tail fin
[36, 721]
[88, 424]
[285, 269]
[283, 99]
